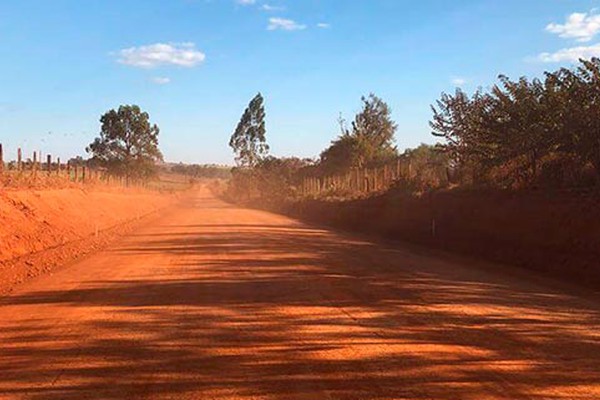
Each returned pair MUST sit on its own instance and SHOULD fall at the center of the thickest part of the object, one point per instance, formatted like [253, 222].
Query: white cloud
[161, 80]
[161, 54]
[458, 81]
[579, 26]
[268, 7]
[284, 25]
[323, 25]
[572, 54]
[246, 2]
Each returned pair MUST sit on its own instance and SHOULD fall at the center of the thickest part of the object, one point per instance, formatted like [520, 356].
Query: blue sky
[195, 64]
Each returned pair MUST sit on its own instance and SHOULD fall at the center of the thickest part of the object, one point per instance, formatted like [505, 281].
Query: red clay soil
[212, 301]
[40, 230]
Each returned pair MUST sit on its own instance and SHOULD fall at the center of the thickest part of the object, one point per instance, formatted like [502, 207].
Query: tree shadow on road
[268, 311]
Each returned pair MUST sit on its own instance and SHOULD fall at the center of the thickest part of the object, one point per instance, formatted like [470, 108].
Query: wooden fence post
[19, 159]
[376, 179]
[58, 166]
[83, 174]
[49, 163]
[34, 163]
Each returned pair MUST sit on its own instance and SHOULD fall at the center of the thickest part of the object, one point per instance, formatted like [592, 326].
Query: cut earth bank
[41, 230]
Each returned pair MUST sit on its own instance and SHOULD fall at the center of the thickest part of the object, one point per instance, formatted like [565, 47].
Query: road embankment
[557, 234]
[41, 230]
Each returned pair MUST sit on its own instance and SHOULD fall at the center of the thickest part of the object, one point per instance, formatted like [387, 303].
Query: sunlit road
[217, 302]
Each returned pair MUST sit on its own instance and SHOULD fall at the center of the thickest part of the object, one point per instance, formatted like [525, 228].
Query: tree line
[519, 134]
[368, 141]
[539, 132]
[202, 170]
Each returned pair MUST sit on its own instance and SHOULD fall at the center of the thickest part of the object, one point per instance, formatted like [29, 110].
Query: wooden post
[376, 179]
[19, 159]
[75, 174]
[83, 174]
[34, 163]
[58, 166]
[49, 163]
[386, 176]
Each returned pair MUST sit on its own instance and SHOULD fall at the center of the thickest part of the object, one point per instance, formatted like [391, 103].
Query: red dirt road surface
[211, 301]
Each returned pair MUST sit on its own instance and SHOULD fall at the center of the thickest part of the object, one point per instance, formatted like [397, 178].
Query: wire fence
[378, 179]
[32, 170]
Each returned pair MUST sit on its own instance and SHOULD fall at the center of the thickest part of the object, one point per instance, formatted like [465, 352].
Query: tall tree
[370, 140]
[128, 143]
[248, 141]
[374, 130]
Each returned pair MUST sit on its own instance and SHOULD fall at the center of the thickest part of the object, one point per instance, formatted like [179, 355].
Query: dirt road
[217, 302]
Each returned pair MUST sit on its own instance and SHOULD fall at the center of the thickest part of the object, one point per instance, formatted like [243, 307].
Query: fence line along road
[368, 180]
[70, 172]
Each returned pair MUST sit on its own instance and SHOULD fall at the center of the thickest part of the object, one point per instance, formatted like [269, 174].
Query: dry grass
[39, 180]
[42, 180]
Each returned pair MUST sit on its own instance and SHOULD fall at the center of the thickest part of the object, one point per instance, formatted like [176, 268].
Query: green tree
[463, 124]
[370, 141]
[128, 143]
[526, 130]
[580, 90]
[341, 155]
[248, 141]
[374, 131]
[430, 165]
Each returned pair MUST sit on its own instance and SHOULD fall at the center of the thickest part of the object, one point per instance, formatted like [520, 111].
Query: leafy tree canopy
[248, 141]
[128, 143]
[370, 141]
[520, 126]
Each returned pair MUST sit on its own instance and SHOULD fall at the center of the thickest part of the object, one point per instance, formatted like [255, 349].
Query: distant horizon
[194, 65]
